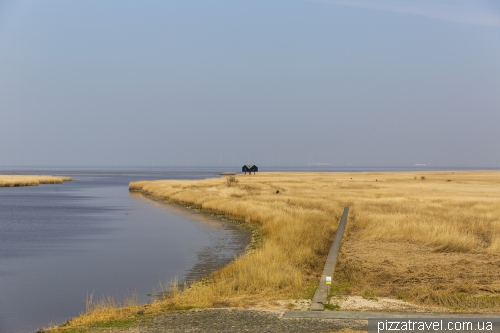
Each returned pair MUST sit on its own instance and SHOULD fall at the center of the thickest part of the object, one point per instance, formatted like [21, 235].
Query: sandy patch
[358, 303]
[345, 303]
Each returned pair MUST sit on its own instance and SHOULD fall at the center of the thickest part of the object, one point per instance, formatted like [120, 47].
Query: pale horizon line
[448, 12]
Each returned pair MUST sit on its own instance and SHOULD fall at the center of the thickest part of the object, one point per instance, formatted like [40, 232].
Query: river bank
[429, 238]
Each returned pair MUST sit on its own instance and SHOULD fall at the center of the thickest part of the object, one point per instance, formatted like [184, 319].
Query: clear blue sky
[364, 82]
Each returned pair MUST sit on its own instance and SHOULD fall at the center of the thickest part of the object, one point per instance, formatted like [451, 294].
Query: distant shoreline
[31, 180]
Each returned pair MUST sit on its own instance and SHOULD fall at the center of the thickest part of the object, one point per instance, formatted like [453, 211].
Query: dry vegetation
[431, 238]
[30, 180]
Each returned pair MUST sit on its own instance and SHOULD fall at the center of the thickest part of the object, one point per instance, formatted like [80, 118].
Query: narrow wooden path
[321, 294]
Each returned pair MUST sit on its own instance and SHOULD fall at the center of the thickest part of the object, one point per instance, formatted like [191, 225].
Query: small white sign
[328, 280]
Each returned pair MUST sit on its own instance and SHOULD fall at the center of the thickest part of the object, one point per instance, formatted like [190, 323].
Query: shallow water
[60, 243]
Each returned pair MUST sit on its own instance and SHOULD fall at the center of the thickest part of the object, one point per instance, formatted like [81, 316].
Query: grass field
[429, 238]
[30, 180]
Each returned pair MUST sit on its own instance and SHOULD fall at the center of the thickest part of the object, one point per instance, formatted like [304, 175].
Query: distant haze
[373, 83]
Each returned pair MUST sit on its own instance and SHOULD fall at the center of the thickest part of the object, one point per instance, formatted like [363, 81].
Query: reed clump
[30, 180]
[102, 310]
[434, 242]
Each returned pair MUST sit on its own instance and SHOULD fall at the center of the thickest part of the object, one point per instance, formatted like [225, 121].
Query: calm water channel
[60, 243]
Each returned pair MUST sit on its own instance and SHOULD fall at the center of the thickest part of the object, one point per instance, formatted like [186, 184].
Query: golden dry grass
[445, 218]
[102, 310]
[30, 180]
[434, 241]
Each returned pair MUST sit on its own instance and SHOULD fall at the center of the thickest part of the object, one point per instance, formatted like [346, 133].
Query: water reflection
[226, 239]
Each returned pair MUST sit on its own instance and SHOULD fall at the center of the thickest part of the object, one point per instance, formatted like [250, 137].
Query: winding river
[61, 243]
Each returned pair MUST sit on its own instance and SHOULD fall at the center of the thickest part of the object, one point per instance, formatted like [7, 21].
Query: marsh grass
[30, 180]
[298, 226]
[104, 312]
[396, 227]
[231, 180]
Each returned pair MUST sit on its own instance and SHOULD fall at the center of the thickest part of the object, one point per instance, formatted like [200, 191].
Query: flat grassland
[30, 180]
[430, 238]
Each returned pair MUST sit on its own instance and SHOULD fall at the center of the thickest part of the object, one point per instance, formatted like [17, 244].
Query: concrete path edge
[365, 315]
[321, 294]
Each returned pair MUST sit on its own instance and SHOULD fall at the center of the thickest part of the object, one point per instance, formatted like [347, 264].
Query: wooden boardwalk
[321, 294]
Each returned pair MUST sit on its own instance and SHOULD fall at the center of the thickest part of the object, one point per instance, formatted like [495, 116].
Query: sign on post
[328, 280]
